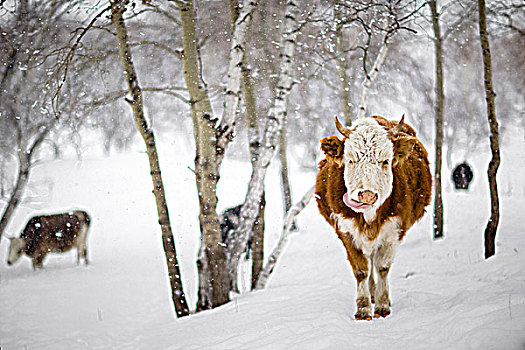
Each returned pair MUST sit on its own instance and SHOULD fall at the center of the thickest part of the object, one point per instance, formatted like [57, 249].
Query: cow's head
[16, 249]
[367, 152]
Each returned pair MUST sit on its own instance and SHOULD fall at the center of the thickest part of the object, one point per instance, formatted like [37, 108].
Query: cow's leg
[81, 244]
[38, 261]
[384, 258]
[361, 267]
[371, 281]
[86, 261]
[81, 252]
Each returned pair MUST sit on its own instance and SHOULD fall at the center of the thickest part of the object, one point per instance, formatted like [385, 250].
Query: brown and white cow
[56, 233]
[372, 187]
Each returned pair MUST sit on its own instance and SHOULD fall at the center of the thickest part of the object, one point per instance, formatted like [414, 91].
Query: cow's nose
[367, 197]
[9, 263]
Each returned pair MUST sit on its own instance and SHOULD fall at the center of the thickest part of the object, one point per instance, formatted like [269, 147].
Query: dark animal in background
[229, 221]
[462, 176]
[56, 233]
[372, 187]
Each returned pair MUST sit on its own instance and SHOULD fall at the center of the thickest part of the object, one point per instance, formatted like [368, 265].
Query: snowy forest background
[95, 87]
[65, 114]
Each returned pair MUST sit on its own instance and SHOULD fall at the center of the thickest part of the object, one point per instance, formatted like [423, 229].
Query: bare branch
[116, 95]
[65, 63]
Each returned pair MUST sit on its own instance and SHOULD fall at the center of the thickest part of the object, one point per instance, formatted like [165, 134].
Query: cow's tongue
[353, 203]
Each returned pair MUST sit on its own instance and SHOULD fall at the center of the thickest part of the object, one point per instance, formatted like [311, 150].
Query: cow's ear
[402, 147]
[333, 149]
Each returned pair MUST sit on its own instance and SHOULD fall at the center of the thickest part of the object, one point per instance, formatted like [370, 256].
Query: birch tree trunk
[211, 140]
[258, 242]
[206, 167]
[285, 182]
[178, 297]
[250, 102]
[235, 74]
[254, 144]
[439, 108]
[252, 117]
[288, 223]
[254, 147]
[490, 96]
[342, 68]
[276, 117]
[369, 78]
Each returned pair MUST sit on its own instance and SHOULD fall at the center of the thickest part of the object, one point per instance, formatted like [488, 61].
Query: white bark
[276, 114]
[285, 235]
[147, 134]
[233, 89]
[211, 140]
[369, 78]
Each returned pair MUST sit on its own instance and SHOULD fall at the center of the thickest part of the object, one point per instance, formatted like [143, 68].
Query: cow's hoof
[362, 317]
[381, 312]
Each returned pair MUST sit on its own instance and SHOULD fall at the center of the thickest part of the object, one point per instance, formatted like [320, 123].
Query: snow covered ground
[444, 294]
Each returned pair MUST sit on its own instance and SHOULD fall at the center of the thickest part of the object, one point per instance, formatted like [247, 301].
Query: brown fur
[40, 234]
[333, 149]
[411, 193]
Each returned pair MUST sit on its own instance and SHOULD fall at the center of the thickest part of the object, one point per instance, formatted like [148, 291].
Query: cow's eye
[350, 162]
[385, 162]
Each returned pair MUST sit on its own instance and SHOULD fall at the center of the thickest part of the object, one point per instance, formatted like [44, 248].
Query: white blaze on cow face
[16, 249]
[367, 159]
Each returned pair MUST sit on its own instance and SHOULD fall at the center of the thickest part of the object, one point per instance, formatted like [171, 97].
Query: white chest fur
[388, 234]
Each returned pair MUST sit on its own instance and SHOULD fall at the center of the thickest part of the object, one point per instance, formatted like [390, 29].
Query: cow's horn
[397, 129]
[342, 129]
